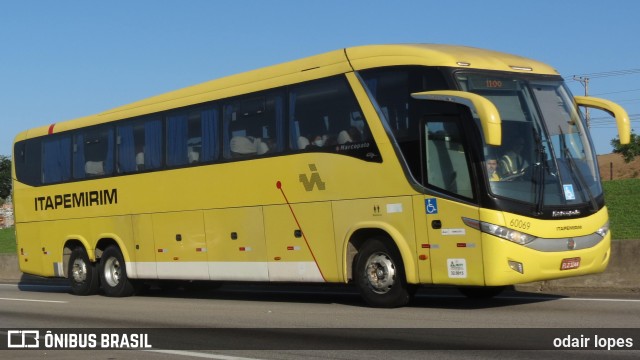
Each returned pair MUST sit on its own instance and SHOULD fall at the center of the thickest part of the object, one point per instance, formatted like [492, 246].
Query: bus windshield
[546, 157]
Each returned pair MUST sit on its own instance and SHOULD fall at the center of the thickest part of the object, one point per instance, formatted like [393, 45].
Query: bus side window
[209, 142]
[28, 161]
[150, 156]
[130, 147]
[93, 152]
[177, 135]
[56, 159]
[253, 125]
[447, 165]
[192, 137]
[324, 113]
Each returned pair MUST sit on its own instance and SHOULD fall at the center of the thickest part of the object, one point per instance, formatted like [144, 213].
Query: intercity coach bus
[366, 165]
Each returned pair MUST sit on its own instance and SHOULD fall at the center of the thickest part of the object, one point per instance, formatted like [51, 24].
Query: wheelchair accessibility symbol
[568, 192]
[431, 205]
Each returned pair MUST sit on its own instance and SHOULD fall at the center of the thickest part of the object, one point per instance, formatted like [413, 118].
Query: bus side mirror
[621, 116]
[481, 108]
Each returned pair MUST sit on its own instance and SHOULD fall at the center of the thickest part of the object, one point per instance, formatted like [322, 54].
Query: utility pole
[584, 80]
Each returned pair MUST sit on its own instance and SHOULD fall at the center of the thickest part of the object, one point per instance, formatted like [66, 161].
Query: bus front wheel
[113, 273]
[82, 274]
[379, 275]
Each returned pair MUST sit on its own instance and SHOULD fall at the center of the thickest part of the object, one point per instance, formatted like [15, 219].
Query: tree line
[5, 178]
[628, 151]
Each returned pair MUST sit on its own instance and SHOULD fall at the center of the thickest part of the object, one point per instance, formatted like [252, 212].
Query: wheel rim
[380, 272]
[79, 271]
[112, 272]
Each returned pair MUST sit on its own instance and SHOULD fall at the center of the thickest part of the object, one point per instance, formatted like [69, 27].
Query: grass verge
[622, 198]
[7, 241]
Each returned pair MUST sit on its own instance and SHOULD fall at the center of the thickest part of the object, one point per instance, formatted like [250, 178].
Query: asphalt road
[323, 322]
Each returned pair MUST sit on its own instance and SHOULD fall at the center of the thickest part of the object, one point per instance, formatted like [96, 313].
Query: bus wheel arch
[377, 269]
[82, 273]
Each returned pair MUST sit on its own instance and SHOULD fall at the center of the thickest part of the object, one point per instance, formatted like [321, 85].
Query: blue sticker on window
[431, 205]
[568, 192]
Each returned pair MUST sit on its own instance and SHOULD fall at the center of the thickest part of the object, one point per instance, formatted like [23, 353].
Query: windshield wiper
[574, 170]
[538, 172]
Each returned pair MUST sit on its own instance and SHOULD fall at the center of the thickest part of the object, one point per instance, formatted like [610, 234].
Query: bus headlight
[512, 235]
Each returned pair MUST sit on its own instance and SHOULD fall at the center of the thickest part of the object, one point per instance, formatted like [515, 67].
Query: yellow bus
[369, 165]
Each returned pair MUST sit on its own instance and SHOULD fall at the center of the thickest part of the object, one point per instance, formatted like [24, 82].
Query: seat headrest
[344, 137]
[242, 145]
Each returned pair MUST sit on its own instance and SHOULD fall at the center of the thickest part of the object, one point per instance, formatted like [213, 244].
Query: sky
[64, 59]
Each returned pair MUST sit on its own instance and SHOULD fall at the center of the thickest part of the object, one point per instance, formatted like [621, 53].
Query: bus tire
[379, 275]
[83, 275]
[113, 274]
[481, 292]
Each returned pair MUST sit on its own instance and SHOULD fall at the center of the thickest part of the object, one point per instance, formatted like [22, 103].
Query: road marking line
[200, 355]
[35, 285]
[33, 300]
[563, 298]
[541, 298]
[596, 299]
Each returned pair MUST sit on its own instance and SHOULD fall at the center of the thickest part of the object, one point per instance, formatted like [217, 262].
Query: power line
[603, 74]
[631, 116]
[617, 92]
[627, 100]
[611, 122]
[603, 124]
[583, 79]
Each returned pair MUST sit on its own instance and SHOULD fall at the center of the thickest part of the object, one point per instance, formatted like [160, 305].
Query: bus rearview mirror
[621, 116]
[481, 108]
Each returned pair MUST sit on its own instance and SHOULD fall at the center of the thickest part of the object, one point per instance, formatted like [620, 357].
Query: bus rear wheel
[82, 273]
[113, 273]
[379, 275]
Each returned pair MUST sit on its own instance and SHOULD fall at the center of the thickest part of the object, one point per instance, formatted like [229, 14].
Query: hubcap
[380, 272]
[79, 271]
[112, 272]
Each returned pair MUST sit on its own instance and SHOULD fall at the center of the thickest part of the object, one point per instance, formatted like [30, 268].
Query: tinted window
[392, 89]
[253, 125]
[321, 115]
[56, 159]
[447, 166]
[324, 116]
[192, 137]
[28, 161]
[139, 145]
[93, 150]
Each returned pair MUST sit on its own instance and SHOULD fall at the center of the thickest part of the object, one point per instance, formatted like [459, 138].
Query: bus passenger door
[455, 248]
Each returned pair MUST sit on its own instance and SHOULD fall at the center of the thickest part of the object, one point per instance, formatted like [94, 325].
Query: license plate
[570, 263]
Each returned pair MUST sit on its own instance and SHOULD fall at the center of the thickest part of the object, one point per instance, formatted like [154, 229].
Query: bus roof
[310, 68]
[364, 57]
